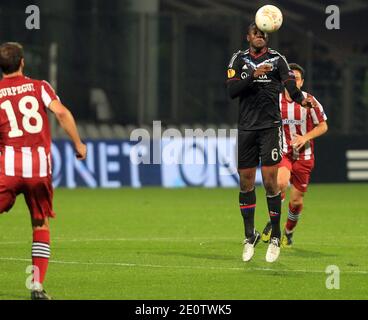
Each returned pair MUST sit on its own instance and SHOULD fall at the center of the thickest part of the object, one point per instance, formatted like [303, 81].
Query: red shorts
[38, 193]
[300, 172]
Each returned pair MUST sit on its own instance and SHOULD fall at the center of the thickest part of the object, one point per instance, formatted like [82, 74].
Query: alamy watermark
[190, 146]
[34, 277]
[33, 21]
[333, 279]
[333, 20]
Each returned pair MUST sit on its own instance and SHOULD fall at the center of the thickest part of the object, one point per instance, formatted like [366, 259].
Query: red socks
[293, 217]
[40, 254]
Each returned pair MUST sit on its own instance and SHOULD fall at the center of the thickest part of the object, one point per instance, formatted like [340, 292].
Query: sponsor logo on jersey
[244, 75]
[263, 78]
[292, 122]
[231, 73]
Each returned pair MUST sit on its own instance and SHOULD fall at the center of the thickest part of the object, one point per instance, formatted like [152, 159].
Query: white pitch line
[130, 239]
[122, 264]
[146, 239]
[202, 241]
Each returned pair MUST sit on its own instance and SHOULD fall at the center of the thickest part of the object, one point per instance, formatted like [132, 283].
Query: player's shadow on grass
[277, 269]
[306, 253]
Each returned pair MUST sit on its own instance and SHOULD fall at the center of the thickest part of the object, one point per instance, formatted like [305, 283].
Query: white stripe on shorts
[27, 162]
[43, 161]
[9, 161]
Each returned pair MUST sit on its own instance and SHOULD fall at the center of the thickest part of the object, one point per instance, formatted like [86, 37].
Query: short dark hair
[11, 55]
[252, 26]
[295, 66]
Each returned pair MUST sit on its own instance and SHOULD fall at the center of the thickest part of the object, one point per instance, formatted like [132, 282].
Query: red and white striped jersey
[25, 139]
[299, 120]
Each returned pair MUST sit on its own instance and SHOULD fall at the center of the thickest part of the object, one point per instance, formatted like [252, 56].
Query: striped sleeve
[317, 113]
[47, 93]
[286, 73]
[233, 71]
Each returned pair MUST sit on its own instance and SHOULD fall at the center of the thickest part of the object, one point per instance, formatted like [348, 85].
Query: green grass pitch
[154, 243]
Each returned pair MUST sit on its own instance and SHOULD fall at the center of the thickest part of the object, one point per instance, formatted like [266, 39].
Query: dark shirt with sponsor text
[258, 97]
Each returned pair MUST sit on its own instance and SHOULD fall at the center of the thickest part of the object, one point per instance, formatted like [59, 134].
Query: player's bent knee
[246, 186]
[247, 179]
[272, 190]
[247, 174]
[271, 186]
[298, 202]
[40, 224]
[43, 227]
[283, 185]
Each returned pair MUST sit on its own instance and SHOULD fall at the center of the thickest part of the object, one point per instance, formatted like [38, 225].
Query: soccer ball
[269, 18]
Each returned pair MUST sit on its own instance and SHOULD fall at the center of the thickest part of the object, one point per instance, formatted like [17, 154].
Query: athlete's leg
[270, 142]
[40, 257]
[247, 199]
[248, 160]
[38, 194]
[301, 172]
[40, 248]
[247, 203]
[269, 176]
[299, 180]
[295, 209]
[283, 178]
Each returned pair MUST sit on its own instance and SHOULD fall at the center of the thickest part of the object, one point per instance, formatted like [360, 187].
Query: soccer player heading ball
[256, 76]
[300, 127]
[25, 151]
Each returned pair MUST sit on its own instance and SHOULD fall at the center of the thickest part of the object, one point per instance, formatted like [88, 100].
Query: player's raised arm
[239, 78]
[67, 122]
[288, 79]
